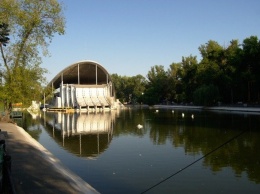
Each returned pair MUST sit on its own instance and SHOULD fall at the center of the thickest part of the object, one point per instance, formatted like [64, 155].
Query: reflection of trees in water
[208, 131]
[30, 125]
[127, 121]
[241, 155]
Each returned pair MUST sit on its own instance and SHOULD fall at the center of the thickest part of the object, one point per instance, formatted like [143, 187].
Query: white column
[61, 94]
[67, 95]
[72, 97]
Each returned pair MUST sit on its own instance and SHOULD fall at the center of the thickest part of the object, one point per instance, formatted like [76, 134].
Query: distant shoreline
[213, 108]
[210, 108]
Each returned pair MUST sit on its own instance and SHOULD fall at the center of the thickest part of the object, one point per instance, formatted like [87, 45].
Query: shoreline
[244, 109]
[34, 168]
[213, 108]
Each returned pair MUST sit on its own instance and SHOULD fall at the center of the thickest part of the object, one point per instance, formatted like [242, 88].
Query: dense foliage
[129, 89]
[227, 74]
[26, 27]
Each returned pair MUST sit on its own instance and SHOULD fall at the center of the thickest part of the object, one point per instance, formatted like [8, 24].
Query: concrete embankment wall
[34, 169]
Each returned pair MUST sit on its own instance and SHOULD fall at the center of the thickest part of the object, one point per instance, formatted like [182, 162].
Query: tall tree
[139, 84]
[211, 53]
[210, 69]
[251, 67]
[232, 73]
[158, 86]
[175, 74]
[129, 89]
[32, 24]
[189, 79]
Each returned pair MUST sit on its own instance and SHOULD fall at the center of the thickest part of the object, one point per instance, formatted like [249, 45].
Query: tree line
[227, 74]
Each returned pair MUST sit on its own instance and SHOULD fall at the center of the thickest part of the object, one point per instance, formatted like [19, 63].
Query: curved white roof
[83, 72]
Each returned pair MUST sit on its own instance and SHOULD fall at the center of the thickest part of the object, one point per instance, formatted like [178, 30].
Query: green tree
[32, 25]
[211, 53]
[118, 83]
[211, 69]
[189, 79]
[250, 67]
[157, 87]
[174, 73]
[139, 85]
[232, 74]
[129, 89]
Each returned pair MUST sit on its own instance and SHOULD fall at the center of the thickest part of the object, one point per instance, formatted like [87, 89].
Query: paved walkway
[35, 170]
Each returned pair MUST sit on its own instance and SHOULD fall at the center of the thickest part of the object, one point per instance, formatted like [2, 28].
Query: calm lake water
[214, 152]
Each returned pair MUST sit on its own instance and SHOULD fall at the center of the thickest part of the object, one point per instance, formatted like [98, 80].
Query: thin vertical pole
[61, 91]
[96, 74]
[78, 75]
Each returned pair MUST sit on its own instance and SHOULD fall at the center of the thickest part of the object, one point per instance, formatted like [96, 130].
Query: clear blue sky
[128, 37]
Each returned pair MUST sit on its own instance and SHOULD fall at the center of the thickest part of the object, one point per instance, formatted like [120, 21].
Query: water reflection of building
[86, 135]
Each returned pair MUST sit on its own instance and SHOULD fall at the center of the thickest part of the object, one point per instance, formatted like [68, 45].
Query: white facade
[85, 96]
[83, 85]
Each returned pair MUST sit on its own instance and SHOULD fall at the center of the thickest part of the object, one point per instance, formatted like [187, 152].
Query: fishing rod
[182, 169]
